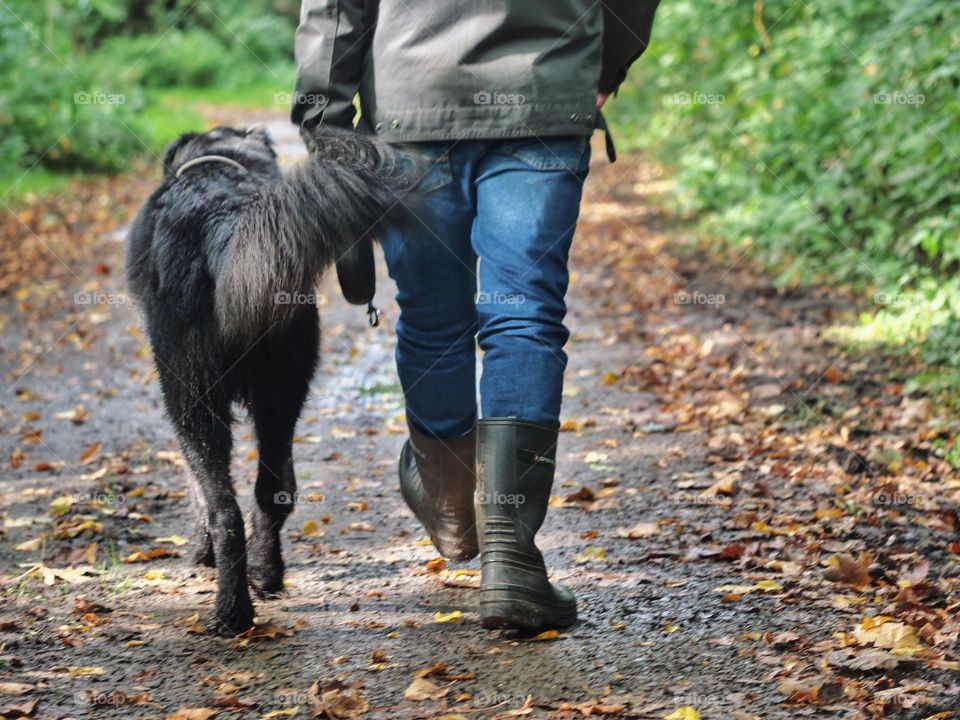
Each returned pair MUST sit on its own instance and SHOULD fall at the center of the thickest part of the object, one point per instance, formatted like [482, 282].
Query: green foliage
[72, 90]
[824, 137]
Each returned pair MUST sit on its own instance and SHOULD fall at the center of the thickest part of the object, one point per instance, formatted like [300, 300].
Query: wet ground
[703, 447]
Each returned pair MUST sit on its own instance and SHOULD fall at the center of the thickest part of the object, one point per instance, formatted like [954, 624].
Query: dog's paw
[231, 617]
[203, 554]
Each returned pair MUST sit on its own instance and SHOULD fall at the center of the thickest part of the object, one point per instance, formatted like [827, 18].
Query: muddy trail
[756, 524]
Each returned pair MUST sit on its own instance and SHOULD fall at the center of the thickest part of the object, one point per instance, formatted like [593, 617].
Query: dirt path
[711, 439]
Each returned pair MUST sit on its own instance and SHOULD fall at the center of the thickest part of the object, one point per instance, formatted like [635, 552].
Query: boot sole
[503, 609]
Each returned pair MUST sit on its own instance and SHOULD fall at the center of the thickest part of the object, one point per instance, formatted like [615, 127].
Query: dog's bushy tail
[294, 229]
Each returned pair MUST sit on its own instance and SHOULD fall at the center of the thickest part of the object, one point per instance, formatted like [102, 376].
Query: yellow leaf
[310, 529]
[173, 540]
[683, 713]
[591, 554]
[78, 670]
[899, 638]
[60, 505]
[454, 616]
[769, 586]
[762, 586]
[547, 635]
[286, 712]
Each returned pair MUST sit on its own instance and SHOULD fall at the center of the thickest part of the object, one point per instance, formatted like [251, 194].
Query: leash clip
[373, 315]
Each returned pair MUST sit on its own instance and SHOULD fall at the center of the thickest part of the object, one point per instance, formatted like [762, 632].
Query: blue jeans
[512, 204]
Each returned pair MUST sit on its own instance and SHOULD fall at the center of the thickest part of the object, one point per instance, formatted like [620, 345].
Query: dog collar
[207, 159]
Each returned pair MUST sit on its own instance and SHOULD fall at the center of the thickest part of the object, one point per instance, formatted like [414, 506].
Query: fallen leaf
[638, 531]
[187, 713]
[337, 700]
[89, 453]
[139, 556]
[683, 713]
[422, 689]
[844, 568]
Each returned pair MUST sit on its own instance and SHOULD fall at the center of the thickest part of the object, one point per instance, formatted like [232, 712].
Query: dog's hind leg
[201, 417]
[276, 398]
[275, 493]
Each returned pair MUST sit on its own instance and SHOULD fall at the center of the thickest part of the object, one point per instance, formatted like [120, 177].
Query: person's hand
[602, 99]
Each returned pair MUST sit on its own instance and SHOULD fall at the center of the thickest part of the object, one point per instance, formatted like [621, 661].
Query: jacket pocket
[548, 153]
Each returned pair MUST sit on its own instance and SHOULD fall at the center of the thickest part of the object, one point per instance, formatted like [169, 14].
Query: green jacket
[443, 70]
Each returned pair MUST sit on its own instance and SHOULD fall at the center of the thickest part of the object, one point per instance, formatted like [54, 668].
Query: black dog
[220, 258]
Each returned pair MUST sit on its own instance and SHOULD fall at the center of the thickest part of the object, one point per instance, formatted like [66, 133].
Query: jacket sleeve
[330, 49]
[626, 33]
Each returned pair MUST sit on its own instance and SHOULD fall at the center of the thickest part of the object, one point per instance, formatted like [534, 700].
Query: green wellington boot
[515, 466]
[438, 480]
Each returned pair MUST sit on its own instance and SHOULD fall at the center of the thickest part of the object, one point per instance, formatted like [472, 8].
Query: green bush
[71, 90]
[825, 137]
[60, 114]
[179, 58]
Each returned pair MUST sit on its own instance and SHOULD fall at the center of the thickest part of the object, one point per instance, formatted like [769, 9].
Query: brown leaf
[89, 453]
[139, 556]
[337, 700]
[844, 568]
[23, 709]
[186, 713]
[422, 689]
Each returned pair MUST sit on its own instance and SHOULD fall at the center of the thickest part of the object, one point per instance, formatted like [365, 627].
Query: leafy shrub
[828, 135]
[824, 137]
[70, 90]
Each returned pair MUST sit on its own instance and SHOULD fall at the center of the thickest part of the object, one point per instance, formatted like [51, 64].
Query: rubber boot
[438, 481]
[515, 467]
